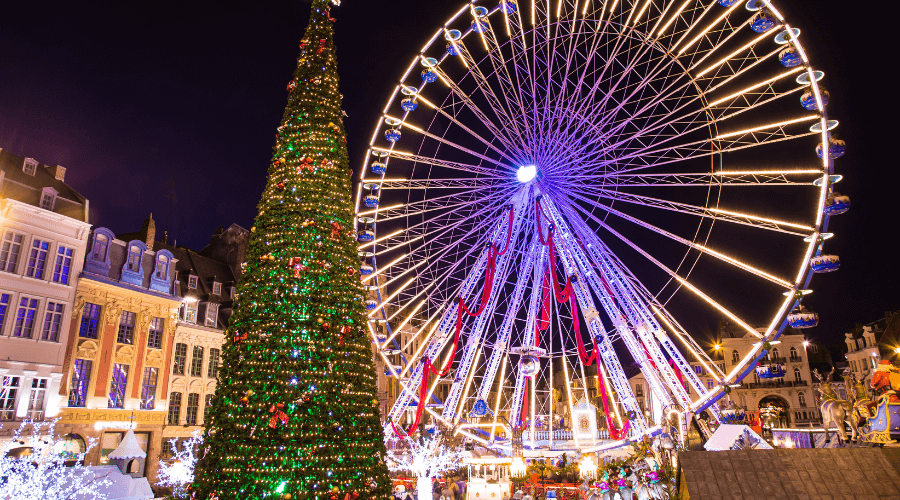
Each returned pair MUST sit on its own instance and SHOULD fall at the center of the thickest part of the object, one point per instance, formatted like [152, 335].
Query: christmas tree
[295, 414]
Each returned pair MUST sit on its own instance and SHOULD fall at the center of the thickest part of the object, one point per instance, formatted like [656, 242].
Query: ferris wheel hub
[526, 173]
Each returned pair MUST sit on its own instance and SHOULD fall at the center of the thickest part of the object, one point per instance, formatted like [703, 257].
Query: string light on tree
[177, 473]
[425, 457]
[293, 416]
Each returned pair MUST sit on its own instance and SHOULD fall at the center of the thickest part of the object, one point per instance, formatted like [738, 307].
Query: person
[435, 488]
[517, 495]
[400, 493]
[886, 379]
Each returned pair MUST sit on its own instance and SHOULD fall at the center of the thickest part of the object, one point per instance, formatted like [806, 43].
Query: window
[134, 258]
[206, 406]
[180, 359]
[797, 376]
[709, 384]
[52, 320]
[155, 334]
[101, 244]
[29, 166]
[48, 198]
[9, 390]
[9, 252]
[90, 321]
[126, 328]
[775, 353]
[193, 405]
[639, 390]
[25, 317]
[213, 370]
[197, 361]
[117, 386]
[81, 378]
[793, 353]
[813, 348]
[698, 370]
[162, 268]
[174, 408]
[148, 388]
[37, 259]
[36, 400]
[212, 314]
[63, 265]
[217, 288]
[192, 282]
[801, 398]
[5, 298]
[189, 312]
[735, 357]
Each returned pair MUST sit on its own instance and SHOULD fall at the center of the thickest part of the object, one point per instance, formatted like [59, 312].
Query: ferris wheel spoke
[461, 125]
[501, 132]
[696, 246]
[758, 178]
[459, 183]
[465, 167]
[684, 282]
[446, 203]
[507, 117]
[698, 211]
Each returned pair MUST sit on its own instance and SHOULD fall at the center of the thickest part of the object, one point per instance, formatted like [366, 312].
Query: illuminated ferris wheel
[559, 188]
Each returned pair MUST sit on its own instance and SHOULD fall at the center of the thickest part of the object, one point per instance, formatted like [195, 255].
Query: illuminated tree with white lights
[177, 473]
[425, 457]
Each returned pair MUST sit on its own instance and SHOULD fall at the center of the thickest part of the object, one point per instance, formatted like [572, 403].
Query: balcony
[773, 361]
[774, 384]
[795, 359]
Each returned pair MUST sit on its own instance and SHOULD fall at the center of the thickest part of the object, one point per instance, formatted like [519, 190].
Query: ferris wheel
[563, 186]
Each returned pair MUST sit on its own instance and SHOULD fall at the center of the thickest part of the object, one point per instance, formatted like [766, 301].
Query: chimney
[59, 172]
[148, 232]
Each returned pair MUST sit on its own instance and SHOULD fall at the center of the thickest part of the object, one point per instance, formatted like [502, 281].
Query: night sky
[133, 96]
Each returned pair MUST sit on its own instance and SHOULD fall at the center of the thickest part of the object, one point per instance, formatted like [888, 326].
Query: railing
[774, 384]
[776, 361]
[559, 435]
[795, 359]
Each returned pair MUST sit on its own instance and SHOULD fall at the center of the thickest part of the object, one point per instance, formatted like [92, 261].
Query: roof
[791, 473]
[18, 185]
[208, 271]
[120, 487]
[728, 437]
[128, 448]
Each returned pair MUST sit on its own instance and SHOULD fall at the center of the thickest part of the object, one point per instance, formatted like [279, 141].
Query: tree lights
[294, 415]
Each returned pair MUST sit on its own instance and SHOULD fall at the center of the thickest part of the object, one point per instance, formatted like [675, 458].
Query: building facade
[207, 288]
[44, 230]
[868, 344]
[116, 369]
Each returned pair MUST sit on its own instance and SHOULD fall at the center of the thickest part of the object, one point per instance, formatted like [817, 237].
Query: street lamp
[717, 347]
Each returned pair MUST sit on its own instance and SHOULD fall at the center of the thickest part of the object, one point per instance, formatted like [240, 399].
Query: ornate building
[868, 344]
[44, 231]
[116, 369]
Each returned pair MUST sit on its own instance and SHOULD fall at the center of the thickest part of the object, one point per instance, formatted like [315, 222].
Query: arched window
[797, 376]
[162, 267]
[101, 247]
[735, 356]
[793, 353]
[775, 352]
[743, 401]
[134, 258]
[801, 398]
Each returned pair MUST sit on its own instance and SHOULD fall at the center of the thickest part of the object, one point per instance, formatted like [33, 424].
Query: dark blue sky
[131, 95]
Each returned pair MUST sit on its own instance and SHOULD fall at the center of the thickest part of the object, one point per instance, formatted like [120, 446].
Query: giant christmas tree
[295, 415]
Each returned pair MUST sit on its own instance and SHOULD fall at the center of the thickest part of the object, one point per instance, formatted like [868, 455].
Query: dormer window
[217, 288]
[160, 280]
[30, 166]
[133, 270]
[101, 244]
[212, 314]
[134, 258]
[48, 198]
[192, 282]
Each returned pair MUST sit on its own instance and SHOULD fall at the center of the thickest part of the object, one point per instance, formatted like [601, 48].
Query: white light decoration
[427, 458]
[526, 173]
[177, 473]
[587, 468]
[517, 470]
[43, 474]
